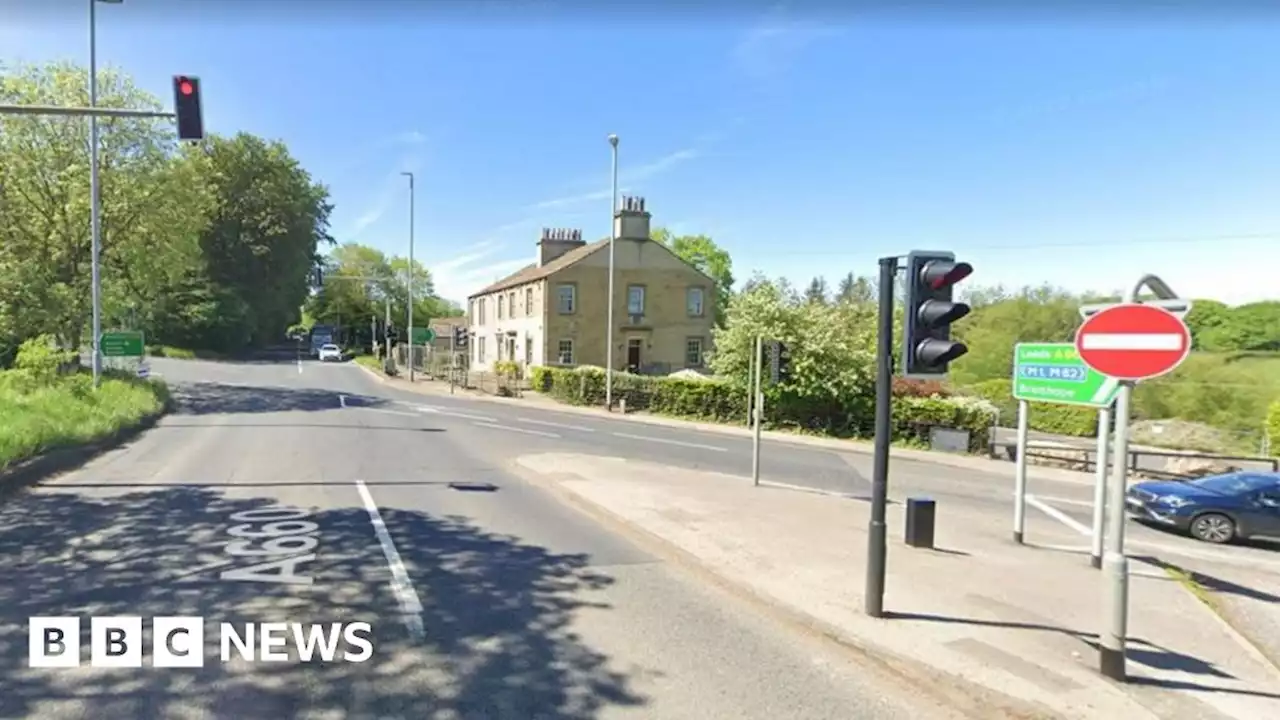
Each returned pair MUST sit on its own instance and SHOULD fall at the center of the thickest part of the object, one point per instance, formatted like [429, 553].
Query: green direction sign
[422, 336]
[1054, 373]
[121, 343]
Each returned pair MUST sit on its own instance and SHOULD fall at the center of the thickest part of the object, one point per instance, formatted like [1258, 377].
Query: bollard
[622, 405]
[921, 516]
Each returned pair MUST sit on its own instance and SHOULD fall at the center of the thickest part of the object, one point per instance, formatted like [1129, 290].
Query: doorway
[633, 355]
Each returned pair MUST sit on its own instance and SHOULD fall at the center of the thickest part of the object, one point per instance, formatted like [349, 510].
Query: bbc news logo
[178, 642]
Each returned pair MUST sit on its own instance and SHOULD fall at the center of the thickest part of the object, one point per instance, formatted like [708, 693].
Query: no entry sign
[1133, 342]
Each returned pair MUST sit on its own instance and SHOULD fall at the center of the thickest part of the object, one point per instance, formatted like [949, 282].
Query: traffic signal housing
[459, 336]
[317, 277]
[186, 105]
[779, 362]
[928, 349]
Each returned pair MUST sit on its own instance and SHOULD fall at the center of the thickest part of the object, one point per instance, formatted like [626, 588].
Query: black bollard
[921, 516]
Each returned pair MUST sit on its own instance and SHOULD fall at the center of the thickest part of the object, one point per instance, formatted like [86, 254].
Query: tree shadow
[497, 613]
[208, 398]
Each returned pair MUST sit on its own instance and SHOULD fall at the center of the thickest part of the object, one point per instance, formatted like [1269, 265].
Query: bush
[1273, 428]
[41, 360]
[725, 402]
[1045, 417]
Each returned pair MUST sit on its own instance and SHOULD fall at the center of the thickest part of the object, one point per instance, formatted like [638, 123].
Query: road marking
[558, 425]
[342, 401]
[410, 604]
[1131, 341]
[647, 438]
[1058, 515]
[516, 429]
[391, 412]
[1064, 501]
[450, 413]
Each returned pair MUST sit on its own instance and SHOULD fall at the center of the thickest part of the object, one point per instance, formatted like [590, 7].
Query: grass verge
[36, 417]
[369, 361]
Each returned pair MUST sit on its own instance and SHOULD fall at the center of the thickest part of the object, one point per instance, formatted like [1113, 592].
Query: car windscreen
[1234, 484]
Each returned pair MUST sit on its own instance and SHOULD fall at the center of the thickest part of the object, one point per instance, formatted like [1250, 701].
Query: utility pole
[613, 236]
[95, 221]
[409, 282]
[757, 407]
[388, 329]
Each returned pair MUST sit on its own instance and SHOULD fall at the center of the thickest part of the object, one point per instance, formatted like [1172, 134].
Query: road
[487, 597]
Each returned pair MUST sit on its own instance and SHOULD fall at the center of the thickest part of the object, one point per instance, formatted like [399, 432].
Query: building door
[633, 355]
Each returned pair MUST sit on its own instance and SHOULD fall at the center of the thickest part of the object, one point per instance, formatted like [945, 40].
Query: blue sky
[1080, 150]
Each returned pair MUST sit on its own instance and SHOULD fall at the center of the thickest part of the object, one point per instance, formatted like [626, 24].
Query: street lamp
[613, 235]
[95, 228]
[409, 282]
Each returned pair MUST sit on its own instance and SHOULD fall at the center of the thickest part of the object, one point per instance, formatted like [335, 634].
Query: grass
[370, 361]
[37, 417]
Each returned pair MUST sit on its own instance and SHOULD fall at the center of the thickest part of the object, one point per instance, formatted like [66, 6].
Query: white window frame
[688, 344]
[573, 298]
[631, 308]
[701, 294]
[560, 351]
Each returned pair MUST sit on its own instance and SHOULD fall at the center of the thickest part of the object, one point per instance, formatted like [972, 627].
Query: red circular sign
[1133, 342]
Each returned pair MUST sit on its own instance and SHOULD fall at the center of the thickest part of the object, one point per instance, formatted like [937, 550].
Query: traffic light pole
[453, 356]
[6, 109]
[757, 414]
[877, 541]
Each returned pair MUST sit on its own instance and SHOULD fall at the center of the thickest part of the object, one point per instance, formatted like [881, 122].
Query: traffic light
[459, 336]
[931, 279]
[392, 333]
[186, 105]
[317, 277]
[779, 362]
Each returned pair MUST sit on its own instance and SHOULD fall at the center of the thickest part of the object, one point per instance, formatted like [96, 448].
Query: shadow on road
[496, 612]
[1211, 582]
[206, 398]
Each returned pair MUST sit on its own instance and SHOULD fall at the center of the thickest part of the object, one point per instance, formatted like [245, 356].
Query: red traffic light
[185, 87]
[939, 274]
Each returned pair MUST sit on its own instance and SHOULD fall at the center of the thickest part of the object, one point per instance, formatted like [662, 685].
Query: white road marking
[1058, 515]
[342, 400]
[647, 438]
[410, 604]
[558, 425]
[392, 412]
[1131, 341]
[1065, 501]
[515, 429]
[803, 488]
[450, 413]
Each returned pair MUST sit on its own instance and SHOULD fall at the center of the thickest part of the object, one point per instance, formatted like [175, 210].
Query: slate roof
[529, 273]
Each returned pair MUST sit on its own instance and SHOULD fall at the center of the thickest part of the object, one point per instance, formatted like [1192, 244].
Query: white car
[330, 352]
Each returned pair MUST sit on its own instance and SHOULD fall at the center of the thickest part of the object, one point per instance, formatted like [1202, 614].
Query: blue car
[1216, 509]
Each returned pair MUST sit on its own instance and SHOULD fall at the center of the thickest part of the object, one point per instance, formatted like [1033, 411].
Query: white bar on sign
[1131, 341]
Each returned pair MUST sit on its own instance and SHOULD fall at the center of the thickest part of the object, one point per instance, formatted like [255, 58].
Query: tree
[704, 254]
[855, 289]
[817, 291]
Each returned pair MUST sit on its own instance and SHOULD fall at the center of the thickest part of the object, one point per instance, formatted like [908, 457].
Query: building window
[500, 299]
[635, 300]
[693, 352]
[480, 305]
[480, 349]
[564, 352]
[567, 295]
[693, 300]
[528, 351]
[511, 303]
[528, 302]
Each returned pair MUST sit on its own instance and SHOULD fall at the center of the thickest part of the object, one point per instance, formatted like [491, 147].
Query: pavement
[295, 492]
[1018, 623]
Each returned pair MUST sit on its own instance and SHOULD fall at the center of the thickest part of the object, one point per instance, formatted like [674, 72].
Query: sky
[1072, 147]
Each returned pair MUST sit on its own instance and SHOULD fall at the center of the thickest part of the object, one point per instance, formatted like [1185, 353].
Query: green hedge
[1273, 428]
[724, 402]
[1045, 417]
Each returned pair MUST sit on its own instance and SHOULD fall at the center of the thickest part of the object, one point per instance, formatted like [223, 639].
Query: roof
[529, 273]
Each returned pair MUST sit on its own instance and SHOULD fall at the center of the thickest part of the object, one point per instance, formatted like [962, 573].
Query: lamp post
[95, 226]
[409, 323]
[613, 235]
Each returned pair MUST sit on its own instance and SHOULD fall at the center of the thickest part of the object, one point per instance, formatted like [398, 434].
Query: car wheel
[1213, 528]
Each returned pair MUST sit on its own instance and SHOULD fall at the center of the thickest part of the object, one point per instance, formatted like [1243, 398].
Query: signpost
[1133, 342]
[423, 335]
[1055, 373]
[122, 343]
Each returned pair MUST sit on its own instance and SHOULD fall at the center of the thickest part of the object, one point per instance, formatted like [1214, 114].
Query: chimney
[556, 242]
[631, 220]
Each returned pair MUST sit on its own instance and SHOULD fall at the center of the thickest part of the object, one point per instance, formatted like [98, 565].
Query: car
[330, 352]
[1216, 509]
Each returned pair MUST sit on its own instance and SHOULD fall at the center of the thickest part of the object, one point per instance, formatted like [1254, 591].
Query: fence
[1157, 464]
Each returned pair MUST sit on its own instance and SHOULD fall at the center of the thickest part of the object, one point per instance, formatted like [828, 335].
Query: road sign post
[423, 335]
[1131, 342]
[122, 343]
[1055, 373]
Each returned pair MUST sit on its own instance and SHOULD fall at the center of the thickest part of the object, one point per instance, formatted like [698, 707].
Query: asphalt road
[486, 597]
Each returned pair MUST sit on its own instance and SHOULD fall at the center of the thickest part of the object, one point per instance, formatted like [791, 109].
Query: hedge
[1273, 428]
[1045, 417]
[725, 402]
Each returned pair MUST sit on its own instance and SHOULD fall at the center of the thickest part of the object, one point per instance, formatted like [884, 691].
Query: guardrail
[1149, 463]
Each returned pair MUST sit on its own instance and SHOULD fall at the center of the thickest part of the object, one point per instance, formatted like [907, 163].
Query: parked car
[1215, 509]
[329, 351]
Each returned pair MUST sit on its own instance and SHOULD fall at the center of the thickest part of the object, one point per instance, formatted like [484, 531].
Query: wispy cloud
[630, 175]
[394, 188]
[769, 48]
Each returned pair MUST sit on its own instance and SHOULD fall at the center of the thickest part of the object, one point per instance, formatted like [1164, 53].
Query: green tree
[855, 289]
[817, 291]
[704, 254]
[1043, 314]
